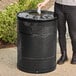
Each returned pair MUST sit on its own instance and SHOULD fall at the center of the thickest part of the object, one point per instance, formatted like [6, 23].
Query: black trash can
[36, 41]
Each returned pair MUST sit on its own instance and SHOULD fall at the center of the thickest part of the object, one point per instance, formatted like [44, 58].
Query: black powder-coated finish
[36, 44]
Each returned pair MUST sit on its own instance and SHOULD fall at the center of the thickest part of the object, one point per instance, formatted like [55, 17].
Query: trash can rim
[44, 20]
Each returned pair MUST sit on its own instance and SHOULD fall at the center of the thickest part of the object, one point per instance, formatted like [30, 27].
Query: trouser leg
[71, 19]
[70, 12]
[61, 27]
[61, 33]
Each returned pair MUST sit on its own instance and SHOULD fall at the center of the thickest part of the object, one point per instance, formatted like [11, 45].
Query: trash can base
[21, 68]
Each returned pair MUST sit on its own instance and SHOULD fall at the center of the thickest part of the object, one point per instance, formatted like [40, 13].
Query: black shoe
[62, 59]
[73, 61]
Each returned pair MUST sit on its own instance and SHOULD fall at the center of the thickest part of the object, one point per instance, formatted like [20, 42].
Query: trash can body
[36, 45]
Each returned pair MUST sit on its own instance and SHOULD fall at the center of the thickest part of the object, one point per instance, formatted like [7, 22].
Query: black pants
[66, 13]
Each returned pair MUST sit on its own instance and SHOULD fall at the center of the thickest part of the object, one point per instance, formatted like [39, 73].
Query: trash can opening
[33, 15]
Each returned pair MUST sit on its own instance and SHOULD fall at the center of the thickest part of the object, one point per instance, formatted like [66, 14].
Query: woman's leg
[71, 19]
[62, 32]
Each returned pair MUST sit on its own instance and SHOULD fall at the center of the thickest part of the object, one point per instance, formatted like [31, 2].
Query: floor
[8, 61]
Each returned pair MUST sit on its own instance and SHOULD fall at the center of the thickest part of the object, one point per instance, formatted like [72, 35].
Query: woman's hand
[43, 4]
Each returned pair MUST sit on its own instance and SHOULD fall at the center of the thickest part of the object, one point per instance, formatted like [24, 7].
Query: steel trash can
[36, 41]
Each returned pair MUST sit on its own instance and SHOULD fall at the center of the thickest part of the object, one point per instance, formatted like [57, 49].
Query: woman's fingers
[40, 5]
